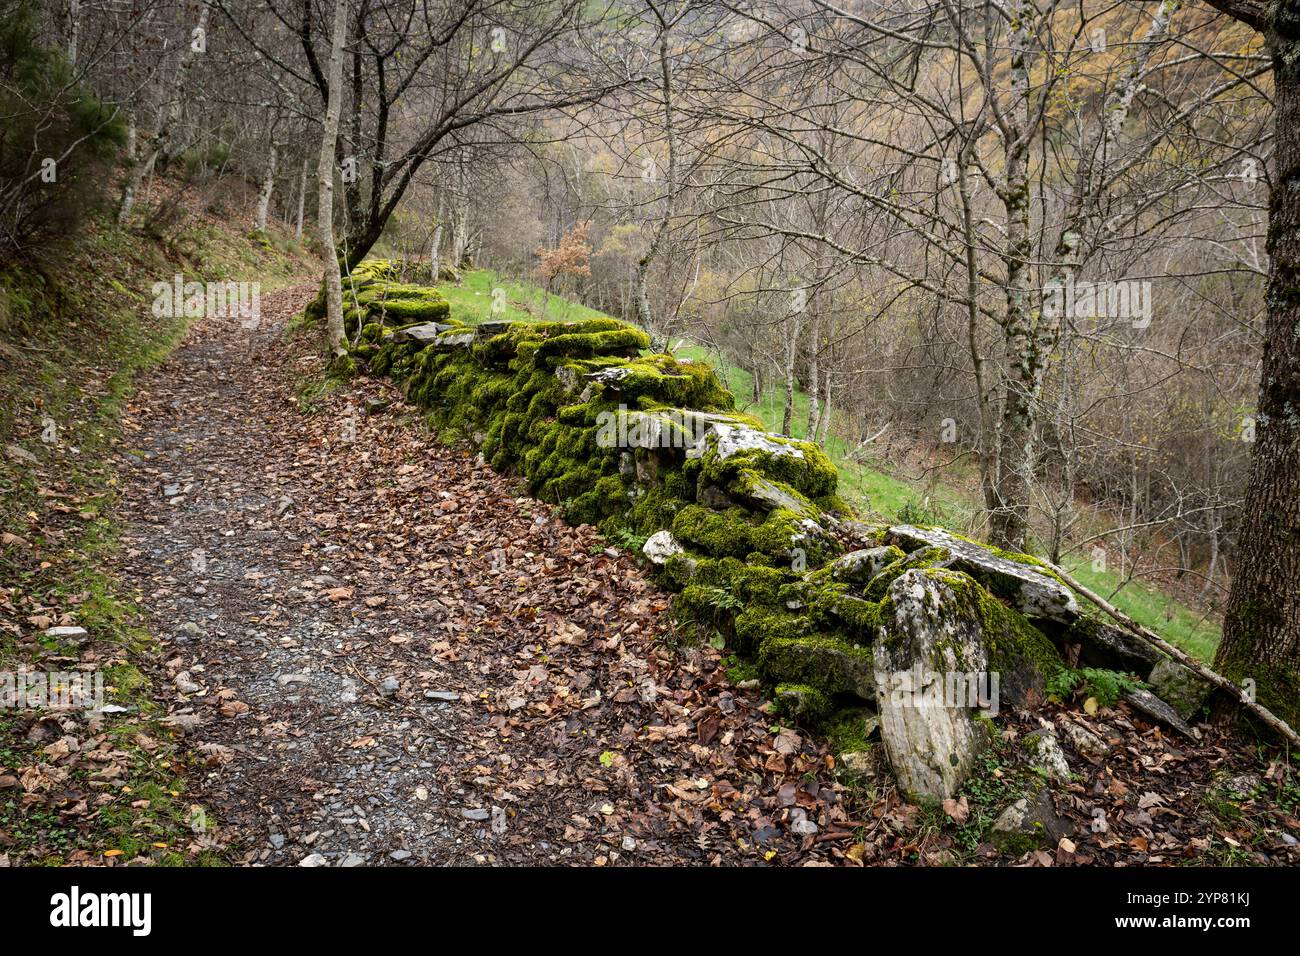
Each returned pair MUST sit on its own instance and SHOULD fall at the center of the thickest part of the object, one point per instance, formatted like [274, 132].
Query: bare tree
[325, 183]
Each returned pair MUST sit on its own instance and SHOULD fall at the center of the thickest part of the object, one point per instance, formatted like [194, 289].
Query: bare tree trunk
[460, 218]
[74, 30]
[435, 247]
[644, 315]
[325, 185]
[791, 353]
[814, 374]
[827, 411]
[1261, 629]
[170, 114]
[302, 200]
[1212, 519]
[264, 196]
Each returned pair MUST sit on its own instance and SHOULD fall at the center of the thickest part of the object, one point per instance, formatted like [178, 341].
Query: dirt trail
[387, 653]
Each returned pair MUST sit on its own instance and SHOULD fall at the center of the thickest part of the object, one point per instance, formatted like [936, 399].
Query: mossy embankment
[73, 339]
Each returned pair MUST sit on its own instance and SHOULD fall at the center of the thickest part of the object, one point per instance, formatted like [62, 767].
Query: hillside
[871, 489]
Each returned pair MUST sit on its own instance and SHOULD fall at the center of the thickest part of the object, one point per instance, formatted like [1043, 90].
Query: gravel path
[385, 653]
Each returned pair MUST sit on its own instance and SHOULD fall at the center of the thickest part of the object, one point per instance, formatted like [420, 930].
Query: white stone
[1083, 740]
[1046, 754]
[66, 632]
[661, 546]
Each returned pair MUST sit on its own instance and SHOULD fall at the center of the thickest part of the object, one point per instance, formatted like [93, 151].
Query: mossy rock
[662, 379]
[832, 666]
[805, 703]
[1021, 579]
[1029, 823]
[1018, 652]
[878, 586]
[731, 449]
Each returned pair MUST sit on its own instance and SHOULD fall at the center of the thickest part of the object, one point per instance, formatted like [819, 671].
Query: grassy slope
[868, 488]
[471, 301]
[82, 347]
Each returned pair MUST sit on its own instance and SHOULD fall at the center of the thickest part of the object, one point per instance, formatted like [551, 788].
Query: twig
[1218, 680]
[427, 721]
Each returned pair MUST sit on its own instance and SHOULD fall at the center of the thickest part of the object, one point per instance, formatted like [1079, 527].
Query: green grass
[471, 301]
[1151, 607]
[866, 488]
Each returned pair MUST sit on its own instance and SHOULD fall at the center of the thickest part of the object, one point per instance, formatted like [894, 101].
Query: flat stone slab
[426, 333]
[1034, 593]
[1156, 709]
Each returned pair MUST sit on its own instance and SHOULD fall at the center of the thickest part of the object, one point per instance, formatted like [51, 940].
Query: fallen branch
[1218, 680]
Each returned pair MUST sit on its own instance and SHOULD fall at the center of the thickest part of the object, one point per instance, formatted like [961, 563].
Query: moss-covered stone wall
[744, 525]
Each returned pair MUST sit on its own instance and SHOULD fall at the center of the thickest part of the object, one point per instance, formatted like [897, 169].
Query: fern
[1106, 686]
[628, 539]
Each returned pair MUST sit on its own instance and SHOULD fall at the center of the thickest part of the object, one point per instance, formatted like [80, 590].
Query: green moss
[659, 379]
[846, 731]
[754, 627]
[805, 468]
[739, 670]
[920, 560]
[786, 534]
[831, 665]
[717, 533]
[803, 702]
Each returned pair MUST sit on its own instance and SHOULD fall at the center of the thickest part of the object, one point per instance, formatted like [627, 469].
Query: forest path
[383, 652]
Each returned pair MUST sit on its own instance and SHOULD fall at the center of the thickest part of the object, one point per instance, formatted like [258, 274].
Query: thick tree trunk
[1261, 630]
[325, 186]
[264, 195]
[1008, 495]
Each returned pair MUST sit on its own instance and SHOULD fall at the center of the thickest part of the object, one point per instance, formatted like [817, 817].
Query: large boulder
[1030, 587]
[949, 656]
